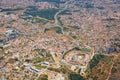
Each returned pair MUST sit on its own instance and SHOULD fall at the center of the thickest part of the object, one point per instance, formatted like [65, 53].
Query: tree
[76, 77]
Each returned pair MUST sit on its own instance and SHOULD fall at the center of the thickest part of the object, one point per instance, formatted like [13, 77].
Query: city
[59, 39]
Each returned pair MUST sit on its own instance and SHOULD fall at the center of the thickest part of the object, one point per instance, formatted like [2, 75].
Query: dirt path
[111, 67]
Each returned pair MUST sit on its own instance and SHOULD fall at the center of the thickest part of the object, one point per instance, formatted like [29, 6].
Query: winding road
[56, 15]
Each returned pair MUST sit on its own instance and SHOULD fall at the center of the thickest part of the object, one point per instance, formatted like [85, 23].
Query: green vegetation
[43, 55]
[95, 60]
[44, 13]
[43, 77]
[53, 69]
[47, 0]
[99, 67]
[85, 5]
[10, 12]
[110, 19]
[6, 54]
[70, 75]
[75, 27]
[88, 5]
[54, 1]
[57, 29]
[60, 22]
[40, 21]
[28, 60]
[1, 58]
[38, 59]
[74, 76]
[63, 69]
[10, 9]
[79, 70]
[66, 12]
[48, 13]
[114, 70]
[34, 20]
[77, 48]
[43, 52]
[73, 36]
[39, 67]
[100, 7]
[32, 79]
[65, 29]
[86, 49]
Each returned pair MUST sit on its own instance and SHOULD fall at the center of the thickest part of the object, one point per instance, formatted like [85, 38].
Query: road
[56, 15]
[56, 24]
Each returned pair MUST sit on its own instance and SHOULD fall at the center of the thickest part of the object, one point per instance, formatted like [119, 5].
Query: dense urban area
[59, 39]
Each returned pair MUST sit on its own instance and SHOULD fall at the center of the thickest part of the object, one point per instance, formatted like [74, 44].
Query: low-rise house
[45, 63]
[32, 69]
